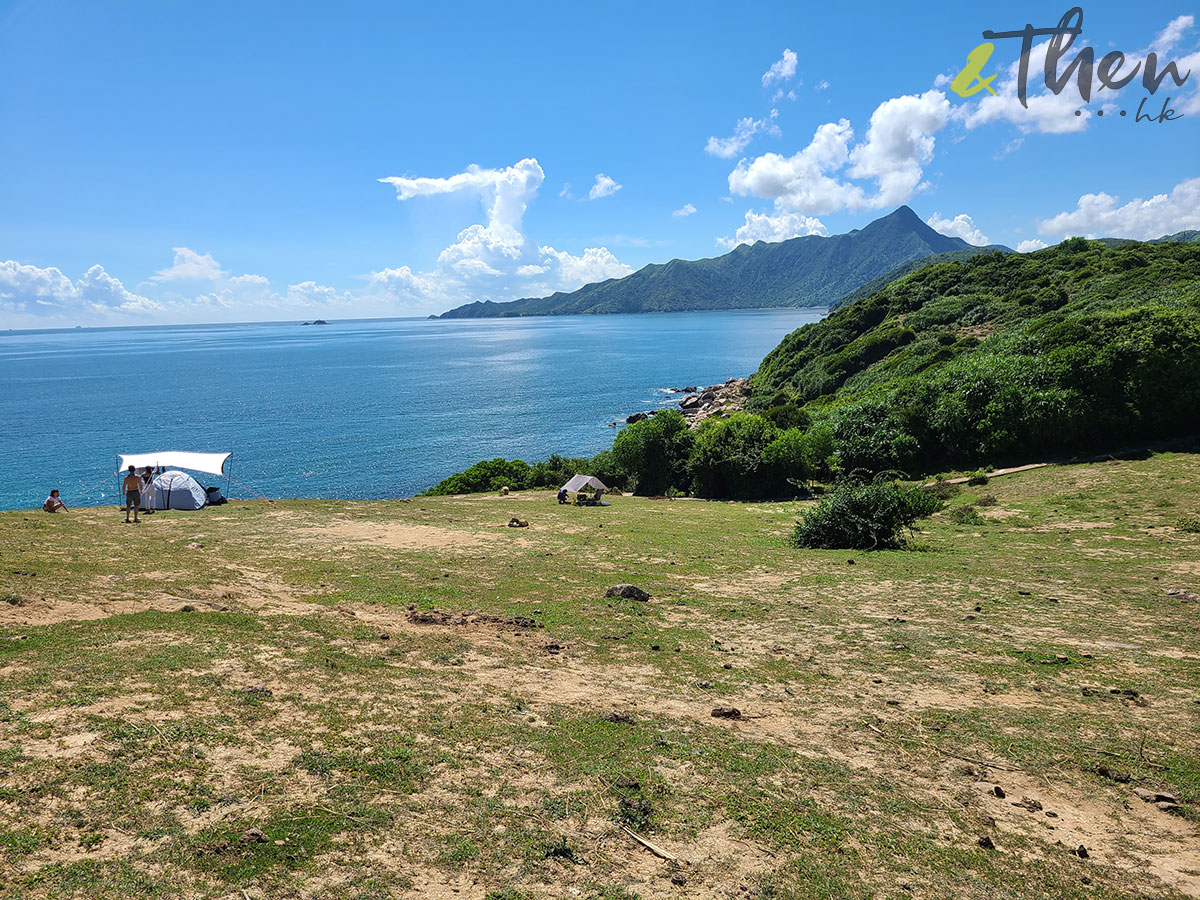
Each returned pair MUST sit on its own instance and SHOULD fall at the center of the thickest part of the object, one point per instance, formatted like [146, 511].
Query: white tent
[579, 482]
[211, 463]
[176, 490]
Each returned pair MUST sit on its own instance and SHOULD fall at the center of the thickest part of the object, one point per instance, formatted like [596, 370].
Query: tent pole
[229, 477]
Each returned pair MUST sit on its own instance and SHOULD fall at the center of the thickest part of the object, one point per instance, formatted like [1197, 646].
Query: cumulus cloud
[30, 293]
[821, 178]
[782, 227]
[822, 85]
[1098, 215]
[491, 259]
[781, 70]
[1030, 245]
[603, 187]
[961, 226]
[1171, 36]
[684, 211]
[190, 266]
[494, 259]
[744, 131]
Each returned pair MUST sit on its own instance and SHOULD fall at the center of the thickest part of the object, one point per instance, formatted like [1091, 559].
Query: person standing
[147, 498]
[132, 485]
[54, 503]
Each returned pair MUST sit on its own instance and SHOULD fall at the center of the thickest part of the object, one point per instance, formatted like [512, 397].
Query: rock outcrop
[725, 398]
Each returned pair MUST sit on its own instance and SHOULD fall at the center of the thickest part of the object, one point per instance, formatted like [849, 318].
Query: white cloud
[604, 187]
[817, 180]
[566, 191]
[33, 293]
[1030, 245]
[491, 259]
[1169, 38]
[822, 85]
[1098, 215]
[961, 226]
[495, 259]
[744, 131]
[782, 227]
[781, 70]
[596, 264]
[684, 211]
[1049, 113]
[190, 266]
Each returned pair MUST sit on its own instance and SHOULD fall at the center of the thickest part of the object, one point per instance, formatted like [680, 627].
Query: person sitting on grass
[53, 503]
[562, 495]
[132, 486]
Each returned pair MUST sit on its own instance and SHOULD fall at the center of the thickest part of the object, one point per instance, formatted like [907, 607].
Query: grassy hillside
[408, 699]
[877, 284]
[805, 271]
[1001, 357]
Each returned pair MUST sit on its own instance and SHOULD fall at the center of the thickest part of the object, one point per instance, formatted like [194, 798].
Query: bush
[966, 515]
[864, 517]
[655, 452]
[486, 475]
[867, 436]
[728, 458]
[557, 470]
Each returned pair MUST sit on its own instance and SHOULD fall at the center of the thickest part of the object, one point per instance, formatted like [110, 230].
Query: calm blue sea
[355, 409]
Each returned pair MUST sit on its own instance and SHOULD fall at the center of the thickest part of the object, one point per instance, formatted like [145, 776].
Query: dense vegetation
[1001, 357]
[804, 271]
[991, 359]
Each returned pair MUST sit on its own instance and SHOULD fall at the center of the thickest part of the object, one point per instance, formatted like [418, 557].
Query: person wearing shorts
[132, 486]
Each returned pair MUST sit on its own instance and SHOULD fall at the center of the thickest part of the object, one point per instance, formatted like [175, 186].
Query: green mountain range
[801, 272]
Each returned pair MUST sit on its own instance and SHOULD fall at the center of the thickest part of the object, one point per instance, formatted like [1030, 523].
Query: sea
[361, 409]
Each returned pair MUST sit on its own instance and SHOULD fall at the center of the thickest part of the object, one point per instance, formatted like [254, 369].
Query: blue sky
[235, 162]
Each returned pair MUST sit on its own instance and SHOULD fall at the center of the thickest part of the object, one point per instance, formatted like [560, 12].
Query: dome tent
[174, 489]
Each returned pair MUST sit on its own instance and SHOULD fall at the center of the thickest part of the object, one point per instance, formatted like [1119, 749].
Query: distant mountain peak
[799, 272]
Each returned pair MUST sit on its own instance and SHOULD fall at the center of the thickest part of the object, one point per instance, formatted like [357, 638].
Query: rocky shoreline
[699, 403]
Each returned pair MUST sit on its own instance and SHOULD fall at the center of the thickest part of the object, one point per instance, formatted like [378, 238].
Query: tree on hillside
[655, 452]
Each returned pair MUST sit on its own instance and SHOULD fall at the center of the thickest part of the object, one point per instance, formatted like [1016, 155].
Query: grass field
[409, 699]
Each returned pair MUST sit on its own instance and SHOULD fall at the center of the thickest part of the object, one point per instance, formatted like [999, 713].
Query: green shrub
[655, 452]
[485, 475]
[728, 458]
[966, 515]
[867, 436]
[864, 517]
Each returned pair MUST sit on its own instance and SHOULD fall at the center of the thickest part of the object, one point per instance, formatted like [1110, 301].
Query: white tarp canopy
[212, 463]
[579, 482]
[175, 490]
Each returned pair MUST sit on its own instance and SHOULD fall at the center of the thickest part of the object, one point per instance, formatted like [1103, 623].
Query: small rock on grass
[253, 836]
[986, 842]
[1081, 851]
[627, 591]
[726, 712]
[623, 718]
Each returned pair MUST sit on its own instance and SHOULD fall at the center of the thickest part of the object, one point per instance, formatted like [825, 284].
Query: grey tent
[177, 490]
[580, 482]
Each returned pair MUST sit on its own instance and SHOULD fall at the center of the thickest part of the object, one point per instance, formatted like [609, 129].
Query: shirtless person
[132, 486]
